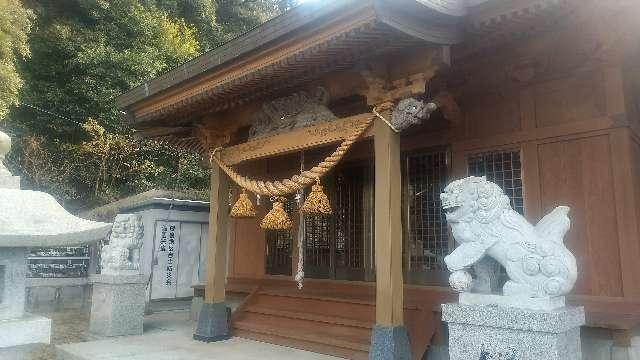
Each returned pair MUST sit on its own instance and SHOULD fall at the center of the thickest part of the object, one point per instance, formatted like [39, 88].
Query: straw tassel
[243, 208]
[317, 203]
[277, 218]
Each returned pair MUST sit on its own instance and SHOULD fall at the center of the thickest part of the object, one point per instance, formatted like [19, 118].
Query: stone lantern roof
[36, 219]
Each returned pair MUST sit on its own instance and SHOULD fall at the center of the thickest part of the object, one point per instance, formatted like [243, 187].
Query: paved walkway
[167, 336]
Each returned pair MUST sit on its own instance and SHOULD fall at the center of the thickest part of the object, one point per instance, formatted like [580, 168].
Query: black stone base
[213, 323]
[389, 343]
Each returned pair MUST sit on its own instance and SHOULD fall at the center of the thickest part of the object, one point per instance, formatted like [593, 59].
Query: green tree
[84, 54]
[15, 23]
[218, 21]
[69, 139]
[201, 14]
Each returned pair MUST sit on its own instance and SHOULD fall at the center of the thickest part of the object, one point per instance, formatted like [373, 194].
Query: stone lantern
[30, 219]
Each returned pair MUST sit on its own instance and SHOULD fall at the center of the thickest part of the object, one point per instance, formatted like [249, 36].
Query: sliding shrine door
[340, 246]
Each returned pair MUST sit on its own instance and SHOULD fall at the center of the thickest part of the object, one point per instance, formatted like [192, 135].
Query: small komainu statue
[484, 225]
[122, 254]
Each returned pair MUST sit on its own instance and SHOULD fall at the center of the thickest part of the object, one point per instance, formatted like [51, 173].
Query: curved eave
[285, 52]
[35, 219]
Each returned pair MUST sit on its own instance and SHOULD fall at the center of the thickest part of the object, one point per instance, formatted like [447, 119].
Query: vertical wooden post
[388, 227]
[217, 242]
[389, 338]
[214, 319]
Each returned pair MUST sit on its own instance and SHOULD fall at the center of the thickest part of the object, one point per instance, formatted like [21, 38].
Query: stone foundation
[494, 332]
[389, 343]
[213, 322]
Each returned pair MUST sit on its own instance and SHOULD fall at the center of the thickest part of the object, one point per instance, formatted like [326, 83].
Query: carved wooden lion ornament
[295, 111]
[484, 225]
[122, 254]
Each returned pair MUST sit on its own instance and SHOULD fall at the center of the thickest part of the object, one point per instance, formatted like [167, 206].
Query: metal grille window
[427, 234]
[503, 168]
[279, 248]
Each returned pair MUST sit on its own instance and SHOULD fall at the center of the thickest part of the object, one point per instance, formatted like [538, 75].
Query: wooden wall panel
[576, 98]
[625, 178]
[248, 249]
[578, 173]
[493, 113]
[635, 170]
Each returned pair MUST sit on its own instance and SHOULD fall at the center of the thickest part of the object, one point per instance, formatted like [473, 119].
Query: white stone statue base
[117, 304]
[496, 332]
[522, 302]
[29, 329]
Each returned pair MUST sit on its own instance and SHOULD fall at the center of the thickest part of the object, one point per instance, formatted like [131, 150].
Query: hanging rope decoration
[299, 277]
[317, 203]
[277, 218]
[243, 208]
[296, 182]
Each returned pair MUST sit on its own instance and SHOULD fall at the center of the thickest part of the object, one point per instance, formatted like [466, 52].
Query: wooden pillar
[217, 237]
[388, 227]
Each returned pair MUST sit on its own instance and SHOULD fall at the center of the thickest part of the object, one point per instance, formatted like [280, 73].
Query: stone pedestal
[213, 323]
[117, 304]
[389, 343]
[496, 332]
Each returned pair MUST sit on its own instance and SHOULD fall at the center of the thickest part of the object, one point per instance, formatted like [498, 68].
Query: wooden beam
[296, 140]
[388, 227]
[217, 237]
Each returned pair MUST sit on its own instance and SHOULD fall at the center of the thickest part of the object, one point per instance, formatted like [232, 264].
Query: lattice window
[428, 236]
[279, 248]
[317, 241]
[349, 217]
[503, 168]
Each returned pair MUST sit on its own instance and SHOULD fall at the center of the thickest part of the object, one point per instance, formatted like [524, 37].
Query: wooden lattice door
[340, 246]
[278, 251]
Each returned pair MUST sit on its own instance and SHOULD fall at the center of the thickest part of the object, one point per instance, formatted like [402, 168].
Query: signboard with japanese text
[165, 266]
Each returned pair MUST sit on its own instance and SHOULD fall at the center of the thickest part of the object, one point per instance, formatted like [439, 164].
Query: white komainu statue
[484, 224]
[122, 254]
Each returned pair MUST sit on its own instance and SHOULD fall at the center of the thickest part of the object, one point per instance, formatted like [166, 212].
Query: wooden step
[303, 345]
[310, 316]
[334, 324]
[346, 337]
[321, 297]
[314, 306]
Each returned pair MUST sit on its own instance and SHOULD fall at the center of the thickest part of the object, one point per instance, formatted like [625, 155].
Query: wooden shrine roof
[308, 41]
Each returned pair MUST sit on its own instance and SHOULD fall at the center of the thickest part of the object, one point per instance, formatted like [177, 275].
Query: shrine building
[540, 96]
